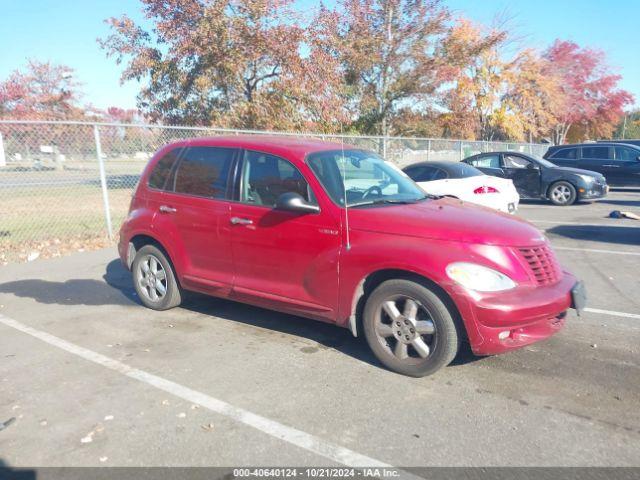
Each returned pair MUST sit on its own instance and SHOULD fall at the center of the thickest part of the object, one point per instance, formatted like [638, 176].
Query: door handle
[167, 209]
[240, 221]
[612, 166]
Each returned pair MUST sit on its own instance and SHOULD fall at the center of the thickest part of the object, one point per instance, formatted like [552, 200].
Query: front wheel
[154, 279]
[562, 194]
[409, 328]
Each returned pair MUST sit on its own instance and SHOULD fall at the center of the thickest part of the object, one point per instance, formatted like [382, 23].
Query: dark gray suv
[618, 162]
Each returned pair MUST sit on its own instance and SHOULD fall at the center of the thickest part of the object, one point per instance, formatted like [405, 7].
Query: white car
[459, 180]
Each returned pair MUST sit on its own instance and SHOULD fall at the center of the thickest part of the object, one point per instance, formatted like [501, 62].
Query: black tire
[562, 194]
[443, 343]
[172, 296]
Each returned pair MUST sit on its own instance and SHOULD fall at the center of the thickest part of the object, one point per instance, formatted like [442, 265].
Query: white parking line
[555, 222]
[275, 429]
[612, 313]
[595, 250]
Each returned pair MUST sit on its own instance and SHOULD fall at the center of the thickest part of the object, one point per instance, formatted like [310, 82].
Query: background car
[627, 141]
[460, 180]
[618, 162]
[537, 178]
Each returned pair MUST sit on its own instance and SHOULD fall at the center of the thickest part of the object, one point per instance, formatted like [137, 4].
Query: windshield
[363, 178]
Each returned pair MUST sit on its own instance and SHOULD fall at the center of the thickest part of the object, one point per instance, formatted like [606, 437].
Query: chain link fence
[67, 186]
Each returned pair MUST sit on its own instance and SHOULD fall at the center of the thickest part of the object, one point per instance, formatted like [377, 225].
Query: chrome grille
[542, 263]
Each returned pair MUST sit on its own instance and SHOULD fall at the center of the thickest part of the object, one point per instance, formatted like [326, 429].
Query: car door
[628, 172]
[599, 158]
[524, 173]
[194, 215]
[283, 260]
[489, 164]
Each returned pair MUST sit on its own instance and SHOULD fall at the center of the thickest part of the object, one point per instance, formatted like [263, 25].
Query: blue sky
[65, 31]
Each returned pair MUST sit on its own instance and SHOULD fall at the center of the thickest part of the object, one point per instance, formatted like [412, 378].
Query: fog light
[504, 335]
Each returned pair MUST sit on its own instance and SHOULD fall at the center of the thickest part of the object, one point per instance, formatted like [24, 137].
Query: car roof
[594, 144]
[274, 144]
[445, 165]
[503, 152]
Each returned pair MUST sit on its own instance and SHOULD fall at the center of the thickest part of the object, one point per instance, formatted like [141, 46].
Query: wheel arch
[371, 281]
[142, 239]
[572, 181]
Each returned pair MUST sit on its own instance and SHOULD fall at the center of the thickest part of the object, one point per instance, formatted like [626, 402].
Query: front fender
[375, 252]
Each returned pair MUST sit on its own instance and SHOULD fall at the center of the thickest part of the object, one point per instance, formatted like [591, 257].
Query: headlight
[479, 278]
[588, 178]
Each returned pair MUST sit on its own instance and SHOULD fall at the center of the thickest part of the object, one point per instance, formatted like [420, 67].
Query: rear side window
[625, 154]
[162, 170]
[489, 161]
[597, 153]
[204, 171]
[565, 154]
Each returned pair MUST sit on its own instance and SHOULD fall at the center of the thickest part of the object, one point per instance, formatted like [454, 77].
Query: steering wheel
[369, 191]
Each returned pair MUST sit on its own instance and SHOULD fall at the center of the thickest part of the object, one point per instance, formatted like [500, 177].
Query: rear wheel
[154, 279]
[562, 193]
[409, 328]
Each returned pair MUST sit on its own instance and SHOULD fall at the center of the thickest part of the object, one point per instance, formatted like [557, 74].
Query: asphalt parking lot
[92, 378]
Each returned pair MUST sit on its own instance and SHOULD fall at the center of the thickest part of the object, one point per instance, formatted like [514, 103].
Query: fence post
[103, 182]
[461, 151]
[3, 159]
[428, 150]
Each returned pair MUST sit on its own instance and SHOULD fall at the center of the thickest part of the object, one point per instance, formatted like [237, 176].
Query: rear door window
[204, 171]
[595, 153]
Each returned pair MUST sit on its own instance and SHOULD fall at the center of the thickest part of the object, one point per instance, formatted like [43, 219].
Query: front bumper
[499, 322]
[596, 190]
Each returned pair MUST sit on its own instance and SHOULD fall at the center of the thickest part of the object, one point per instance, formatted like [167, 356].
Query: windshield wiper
[386, 201]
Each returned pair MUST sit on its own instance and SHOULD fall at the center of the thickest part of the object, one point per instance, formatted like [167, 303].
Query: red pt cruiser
[335, 233]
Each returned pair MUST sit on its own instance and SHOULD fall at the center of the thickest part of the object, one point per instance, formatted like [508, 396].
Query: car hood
[579, 171]
[447, 219]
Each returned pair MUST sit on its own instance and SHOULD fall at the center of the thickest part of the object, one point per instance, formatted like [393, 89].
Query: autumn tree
[393, 54]
[475, 104]
[594, 102]
[41, 91]
[629, 126]
[233, 63]
[533, 98]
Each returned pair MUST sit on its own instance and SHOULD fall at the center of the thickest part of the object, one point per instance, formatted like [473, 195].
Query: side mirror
[532, 166]
[293, 202]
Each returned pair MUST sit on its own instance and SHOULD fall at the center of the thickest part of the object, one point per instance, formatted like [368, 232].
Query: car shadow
[119, 290]
[20, 473]
[597, 233]
[88, 291]
[623, 203]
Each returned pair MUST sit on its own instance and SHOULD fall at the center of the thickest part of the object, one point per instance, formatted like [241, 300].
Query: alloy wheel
[405, 328]
[561, 194]
[152, 278]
